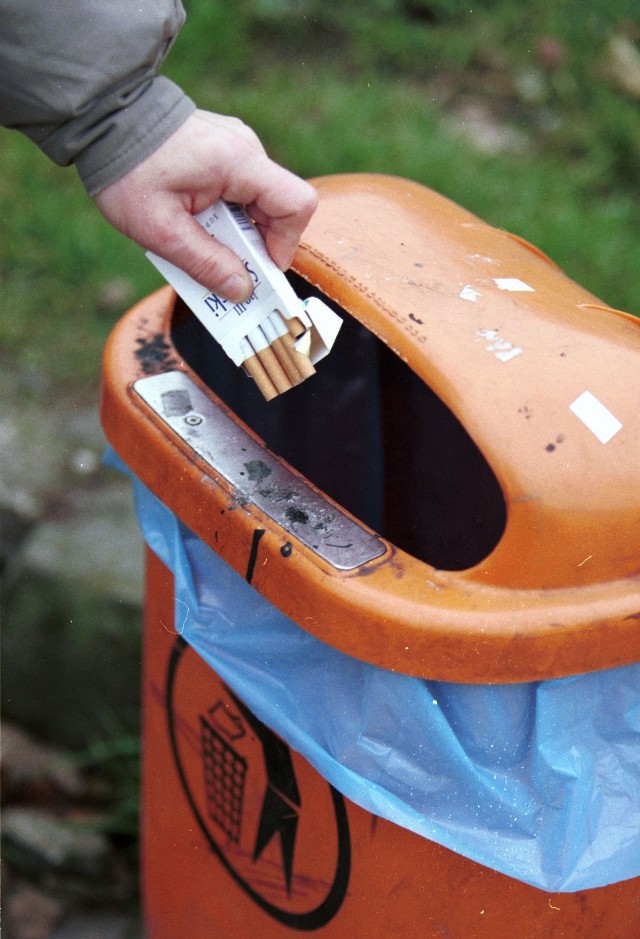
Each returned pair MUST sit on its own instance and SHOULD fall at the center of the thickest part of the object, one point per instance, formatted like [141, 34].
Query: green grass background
[365, 86]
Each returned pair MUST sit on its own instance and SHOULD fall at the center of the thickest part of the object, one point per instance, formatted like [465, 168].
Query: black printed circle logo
[280, 830]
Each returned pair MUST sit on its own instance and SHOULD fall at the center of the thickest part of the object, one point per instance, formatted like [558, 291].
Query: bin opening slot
[371, 435]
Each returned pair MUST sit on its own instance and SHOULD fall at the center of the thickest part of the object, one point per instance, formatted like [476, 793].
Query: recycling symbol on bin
[225, 773]
[279, 829]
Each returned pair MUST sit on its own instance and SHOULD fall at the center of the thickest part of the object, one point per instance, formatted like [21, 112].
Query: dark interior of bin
[370, 434]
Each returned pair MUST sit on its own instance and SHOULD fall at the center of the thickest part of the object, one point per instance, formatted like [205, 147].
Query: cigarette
[296, 327]
[287, 361]
[302, 362]
[274, 370]
[295, 330]
[269, 361]
[274, 329]
[254, 369]
[271, 358]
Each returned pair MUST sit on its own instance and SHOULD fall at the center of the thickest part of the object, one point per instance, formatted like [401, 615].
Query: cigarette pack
[274, 335]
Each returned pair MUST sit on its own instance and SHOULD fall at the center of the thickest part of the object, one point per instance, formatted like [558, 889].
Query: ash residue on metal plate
[257, 470]
[276, 494]
[255, 476]
[296, 516]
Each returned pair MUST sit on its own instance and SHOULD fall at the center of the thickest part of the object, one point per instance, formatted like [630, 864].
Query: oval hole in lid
[371, 435]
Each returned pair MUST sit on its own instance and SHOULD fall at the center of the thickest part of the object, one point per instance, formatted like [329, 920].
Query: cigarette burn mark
[550, 447]
[286, 550]
[154, 354]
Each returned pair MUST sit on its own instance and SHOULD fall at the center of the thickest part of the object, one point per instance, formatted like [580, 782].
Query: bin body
[242, 837]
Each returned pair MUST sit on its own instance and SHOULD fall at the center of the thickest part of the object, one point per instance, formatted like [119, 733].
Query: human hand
[209, 157]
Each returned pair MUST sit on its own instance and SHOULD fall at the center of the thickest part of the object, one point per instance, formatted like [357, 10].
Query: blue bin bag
[540, 781]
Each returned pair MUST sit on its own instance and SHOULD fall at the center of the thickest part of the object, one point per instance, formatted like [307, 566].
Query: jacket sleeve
[79, 78]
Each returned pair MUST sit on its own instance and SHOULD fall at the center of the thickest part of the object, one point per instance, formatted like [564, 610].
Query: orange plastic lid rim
[539, 372]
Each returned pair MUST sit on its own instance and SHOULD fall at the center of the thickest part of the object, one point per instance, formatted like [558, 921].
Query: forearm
[78, 78]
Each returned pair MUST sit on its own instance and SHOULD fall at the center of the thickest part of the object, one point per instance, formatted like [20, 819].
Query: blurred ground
[63, 876]
[71, 608]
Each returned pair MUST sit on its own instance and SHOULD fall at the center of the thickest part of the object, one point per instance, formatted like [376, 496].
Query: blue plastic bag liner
[540, 781]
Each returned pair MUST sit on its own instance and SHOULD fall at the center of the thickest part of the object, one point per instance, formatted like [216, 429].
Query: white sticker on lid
[503, 350]
[596, 416]
[469, 293]
[513, 284]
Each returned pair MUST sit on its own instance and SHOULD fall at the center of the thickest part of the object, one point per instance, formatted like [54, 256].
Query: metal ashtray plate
[256, 474]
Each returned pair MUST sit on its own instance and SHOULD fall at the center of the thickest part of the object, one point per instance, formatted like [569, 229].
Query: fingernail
[236, 288]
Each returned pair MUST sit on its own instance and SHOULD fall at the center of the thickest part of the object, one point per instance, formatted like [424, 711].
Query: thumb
[199, 255]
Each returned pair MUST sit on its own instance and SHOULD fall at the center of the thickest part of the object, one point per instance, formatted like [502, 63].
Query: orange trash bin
[526, 571]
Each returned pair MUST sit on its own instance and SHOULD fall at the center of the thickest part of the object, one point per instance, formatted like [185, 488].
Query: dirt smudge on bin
[154, 354]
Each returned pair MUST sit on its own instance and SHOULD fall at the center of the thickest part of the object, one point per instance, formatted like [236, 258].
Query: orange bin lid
[543, 376]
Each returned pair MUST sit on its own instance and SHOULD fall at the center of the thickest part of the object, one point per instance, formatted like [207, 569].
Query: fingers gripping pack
[276, 337]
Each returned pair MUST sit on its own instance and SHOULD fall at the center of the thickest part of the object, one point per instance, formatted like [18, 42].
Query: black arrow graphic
[282, 803]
